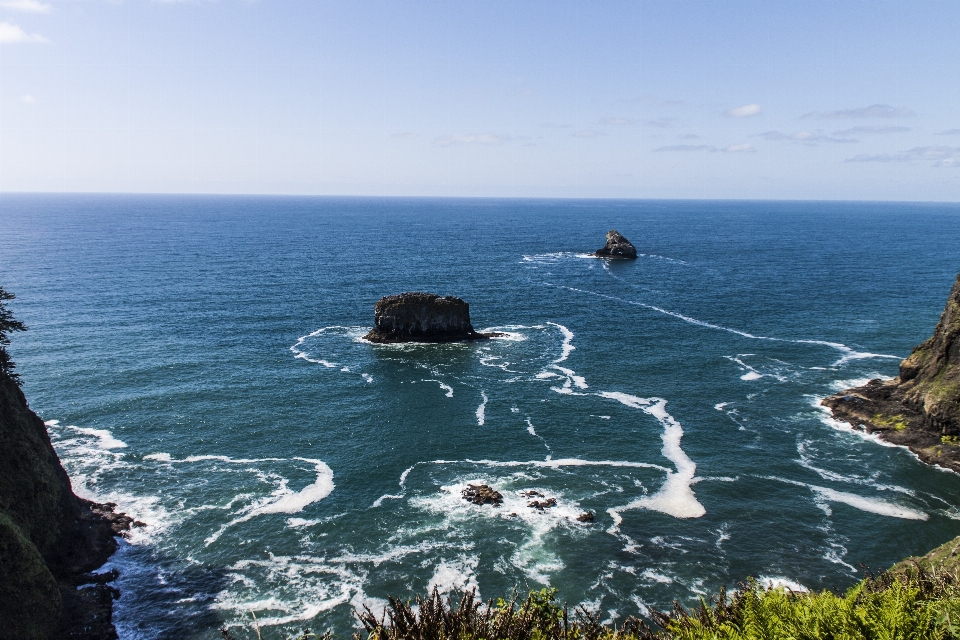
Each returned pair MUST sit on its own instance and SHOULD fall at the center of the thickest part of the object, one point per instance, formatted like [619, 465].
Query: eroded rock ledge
[920, 408]
[422, 317]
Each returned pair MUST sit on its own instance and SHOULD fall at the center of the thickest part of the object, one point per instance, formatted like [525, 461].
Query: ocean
[198, 361]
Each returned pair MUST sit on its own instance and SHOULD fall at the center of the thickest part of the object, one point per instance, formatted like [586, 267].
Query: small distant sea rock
[540, 505]
[422, 317]
[482, 494]
[617, 247]
[586, 516]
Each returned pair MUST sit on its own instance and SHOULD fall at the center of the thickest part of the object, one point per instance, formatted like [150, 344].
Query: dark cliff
[920, 408]
[49, 538]
[422, 317]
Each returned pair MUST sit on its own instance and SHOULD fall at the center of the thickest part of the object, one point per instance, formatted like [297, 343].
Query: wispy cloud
[873, 111]
[733, 148]
[618, 122]
[870, 130]
[689, 136]
[27, 99]
[744, 111]
[949, 132]
[810, 137]
[12, 34]
[660, 123]
[27, 6]
[588, 133]
[473, 138]
[936, 155]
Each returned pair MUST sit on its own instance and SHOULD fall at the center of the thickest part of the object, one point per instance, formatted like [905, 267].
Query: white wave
[720, 406]
[567, 347]
[52, 423]
[455, 576]
[751, 375]
[776, 582]
[851, 383]
[444, 387]
[367, 377]
[848, 353]
[572, 378]
[675, 497]
[481, 410]
[863, 503]
[105, 438]
[530, 429]
[650, 574]
[159, 457]
[556, 464]
[283, 499]
[387, 496]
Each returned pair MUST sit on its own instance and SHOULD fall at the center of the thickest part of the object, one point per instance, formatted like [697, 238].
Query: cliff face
[422, 317]
[919, 409]
[49, 538]
[930, 376]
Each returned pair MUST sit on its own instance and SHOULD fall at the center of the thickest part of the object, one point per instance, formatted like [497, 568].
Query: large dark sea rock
[422, 317]
[617, 247]
[49, 538]
[921, 407]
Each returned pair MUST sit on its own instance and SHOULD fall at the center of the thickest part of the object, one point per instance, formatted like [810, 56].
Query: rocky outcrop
[422, 317]
[617, 247]
[920, 408]
[482, 494]
[49, 538]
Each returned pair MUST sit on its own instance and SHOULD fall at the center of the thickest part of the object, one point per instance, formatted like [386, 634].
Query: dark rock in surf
[920, 408]
[617, 247]
[586, 516]
[422, 317]
[482, 494]
[540, 505]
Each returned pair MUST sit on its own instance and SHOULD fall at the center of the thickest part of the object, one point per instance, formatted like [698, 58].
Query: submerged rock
[920, 408]
[617, 247]
[482, 494]
[422, 317]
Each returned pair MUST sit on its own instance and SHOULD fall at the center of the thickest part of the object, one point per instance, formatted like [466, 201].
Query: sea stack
[617, 247]
[920, 408]
[422, 317]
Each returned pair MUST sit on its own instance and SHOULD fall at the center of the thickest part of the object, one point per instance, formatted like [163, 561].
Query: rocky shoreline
[920, 408]
[50, 540]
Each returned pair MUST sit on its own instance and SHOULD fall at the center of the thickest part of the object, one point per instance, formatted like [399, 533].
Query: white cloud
[617, 121]
[27, 99]
[473, 138]
[878, 129]
[27, 6]
[873, 111]
[809, 137]
[936, 155]
[11, 34]
[733, 148]
[587, 133]
[744, 111]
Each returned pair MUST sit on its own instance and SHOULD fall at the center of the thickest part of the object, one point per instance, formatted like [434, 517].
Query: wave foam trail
[445, 387]
[675, 497]
[482, 409]
[870, 505]
[848, 353]
[567, 346]
[104, 437]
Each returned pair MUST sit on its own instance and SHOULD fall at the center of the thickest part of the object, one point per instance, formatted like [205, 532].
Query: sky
[773, 99]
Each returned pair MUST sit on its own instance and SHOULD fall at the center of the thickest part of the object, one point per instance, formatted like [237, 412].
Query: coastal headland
[920, 408]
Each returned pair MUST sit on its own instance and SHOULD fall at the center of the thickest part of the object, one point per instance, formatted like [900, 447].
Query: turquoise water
[199, 362]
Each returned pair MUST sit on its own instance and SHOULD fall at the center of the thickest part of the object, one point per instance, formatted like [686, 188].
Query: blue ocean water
[199, 362]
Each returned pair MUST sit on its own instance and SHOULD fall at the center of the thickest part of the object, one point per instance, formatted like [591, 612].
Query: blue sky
[780, 100]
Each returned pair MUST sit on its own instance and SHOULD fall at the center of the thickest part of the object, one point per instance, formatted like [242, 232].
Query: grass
[916, 602]
[896, 422]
